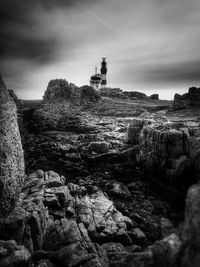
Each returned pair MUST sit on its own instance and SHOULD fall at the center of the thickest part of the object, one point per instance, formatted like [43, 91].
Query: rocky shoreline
[100, 190]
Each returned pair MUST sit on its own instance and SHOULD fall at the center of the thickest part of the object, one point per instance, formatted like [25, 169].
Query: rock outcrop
[60, 90]
[190, 99]
[154, 97]
[66, 220]
[11, 153]
[131, 95]
[61, 108]
[168, 151]
[166, 147]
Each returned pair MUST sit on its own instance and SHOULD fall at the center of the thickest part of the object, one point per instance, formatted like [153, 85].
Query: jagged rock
[163, 146]
[12, 254]
[154, 138]
[154, 97]
[65, 232]
[168, 150]
[53, 179]
[136, 125]
[60, 90]
[67, 219]
[190, 99]
[26, 224]
[28, 221]
[179, 102]
[11, 153]
[101, 219]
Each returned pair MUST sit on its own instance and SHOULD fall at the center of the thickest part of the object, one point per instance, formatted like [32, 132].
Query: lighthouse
[98, 80]
[103, 72]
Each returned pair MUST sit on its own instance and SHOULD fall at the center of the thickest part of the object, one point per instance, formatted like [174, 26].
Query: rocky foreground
[100, 190]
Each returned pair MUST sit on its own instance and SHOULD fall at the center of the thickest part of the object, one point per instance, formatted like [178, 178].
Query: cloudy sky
[150, 45]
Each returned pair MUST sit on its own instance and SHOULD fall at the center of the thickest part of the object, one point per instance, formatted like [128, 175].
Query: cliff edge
[11, 153]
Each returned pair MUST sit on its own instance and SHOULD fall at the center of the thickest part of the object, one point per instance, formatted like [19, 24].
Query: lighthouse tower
[103, 72]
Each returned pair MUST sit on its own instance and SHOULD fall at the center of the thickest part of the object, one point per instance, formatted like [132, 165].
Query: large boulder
[161, 143]
[154, 96]
[192, 98]
[163, 146]
[179, 102]
[59, 90]
[11, 153]
[169, 152]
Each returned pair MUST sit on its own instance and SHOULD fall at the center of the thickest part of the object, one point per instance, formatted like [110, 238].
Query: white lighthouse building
[95, 80]
[99, 80]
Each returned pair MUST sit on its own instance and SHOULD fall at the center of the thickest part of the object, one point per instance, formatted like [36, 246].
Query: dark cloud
[37, 50]
[177, 72]
[15, 15]
[146, 42]
[20, 33]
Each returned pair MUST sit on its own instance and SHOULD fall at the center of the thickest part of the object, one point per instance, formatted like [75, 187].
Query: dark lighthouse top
[103, 66]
